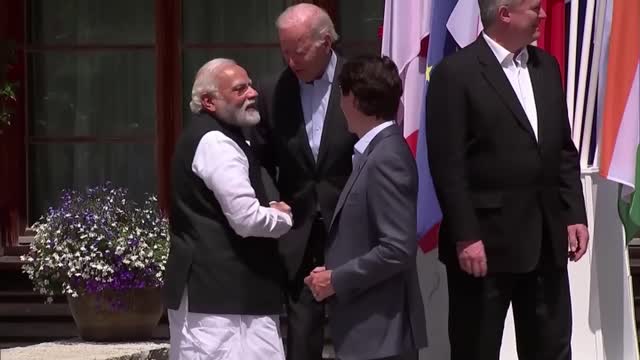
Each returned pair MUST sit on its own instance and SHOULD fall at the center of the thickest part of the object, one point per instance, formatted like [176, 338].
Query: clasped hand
[319, 282]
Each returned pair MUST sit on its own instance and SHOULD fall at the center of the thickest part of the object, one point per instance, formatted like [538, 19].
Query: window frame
[168, 48]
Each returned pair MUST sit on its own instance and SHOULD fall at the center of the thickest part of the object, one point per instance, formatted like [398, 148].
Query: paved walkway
[79, 350]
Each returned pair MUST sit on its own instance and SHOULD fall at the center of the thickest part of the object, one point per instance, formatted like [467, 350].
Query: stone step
[634, 265]
[17, 310]
[19, 330]
[13, 344]
[10, 262]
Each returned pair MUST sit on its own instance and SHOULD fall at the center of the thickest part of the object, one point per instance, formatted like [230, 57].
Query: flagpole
[593, 86]
[571, 65]
[582, 78]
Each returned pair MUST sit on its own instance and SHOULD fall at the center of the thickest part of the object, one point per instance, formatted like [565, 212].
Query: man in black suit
[304, 143]
[507, 177]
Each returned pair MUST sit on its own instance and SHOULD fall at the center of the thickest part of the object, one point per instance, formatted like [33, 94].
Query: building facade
[102, 87]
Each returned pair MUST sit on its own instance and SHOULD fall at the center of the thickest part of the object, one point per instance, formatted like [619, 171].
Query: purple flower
[96, 231]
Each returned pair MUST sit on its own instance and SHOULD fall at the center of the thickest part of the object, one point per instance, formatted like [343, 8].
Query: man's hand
[472, 258]
[578, 241]
[281, 206]
[319, 282]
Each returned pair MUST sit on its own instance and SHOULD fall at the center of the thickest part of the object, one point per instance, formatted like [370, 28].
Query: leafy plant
[7, 88]
[7, 103]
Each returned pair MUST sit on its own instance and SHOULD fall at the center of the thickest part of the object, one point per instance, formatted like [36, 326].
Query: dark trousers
[541, 310]
[412, 355]
[305, 316]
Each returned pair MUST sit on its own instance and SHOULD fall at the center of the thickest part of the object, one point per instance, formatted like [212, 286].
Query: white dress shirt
[362, 144]
[315, 100]
[518, 74]
[224, 168]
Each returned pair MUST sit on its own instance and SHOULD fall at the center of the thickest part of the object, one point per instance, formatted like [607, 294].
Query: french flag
[405, 39]
[417, 34]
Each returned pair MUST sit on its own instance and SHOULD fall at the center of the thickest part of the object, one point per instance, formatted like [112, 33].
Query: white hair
[489, 10]
[320, 21]
[205, 82]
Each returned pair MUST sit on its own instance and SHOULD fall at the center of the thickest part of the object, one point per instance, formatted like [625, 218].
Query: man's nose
[252, 93]
[542, 14]
[290, 62]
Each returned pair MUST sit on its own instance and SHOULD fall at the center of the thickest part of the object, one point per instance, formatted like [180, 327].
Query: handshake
[319, 282]
[281, 206]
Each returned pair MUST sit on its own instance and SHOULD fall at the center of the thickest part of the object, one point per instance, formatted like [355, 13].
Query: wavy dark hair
[375, 83]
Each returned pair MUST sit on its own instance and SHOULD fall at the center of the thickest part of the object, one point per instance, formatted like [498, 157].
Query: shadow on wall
[612, 293]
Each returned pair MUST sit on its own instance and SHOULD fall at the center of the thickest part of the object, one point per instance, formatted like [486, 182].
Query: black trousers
[306, 316]
[412, 355]
[541, 310]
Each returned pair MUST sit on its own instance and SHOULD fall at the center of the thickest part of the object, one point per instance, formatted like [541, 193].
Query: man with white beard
[222, 281]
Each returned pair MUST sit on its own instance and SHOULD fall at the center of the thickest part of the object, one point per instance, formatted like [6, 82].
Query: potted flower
[107, 254]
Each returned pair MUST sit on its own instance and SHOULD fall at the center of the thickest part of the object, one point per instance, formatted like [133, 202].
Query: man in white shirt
[304, 143]
[507, 176]
[223, 276]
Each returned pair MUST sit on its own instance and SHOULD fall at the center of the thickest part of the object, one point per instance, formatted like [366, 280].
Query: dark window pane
[360, 20]
[54, 167]
[259, 63]
[92, 22]
[359, 49]
[92, 94]
[224, 21]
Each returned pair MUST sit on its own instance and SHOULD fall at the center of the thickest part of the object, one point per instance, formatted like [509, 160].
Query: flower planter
[94, 244]
[112, 316]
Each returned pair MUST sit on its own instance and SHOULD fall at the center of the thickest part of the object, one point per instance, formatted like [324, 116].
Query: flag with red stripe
[552, 36]
[405, 40]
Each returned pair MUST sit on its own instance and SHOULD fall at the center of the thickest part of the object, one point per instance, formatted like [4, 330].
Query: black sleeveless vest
[223, 272]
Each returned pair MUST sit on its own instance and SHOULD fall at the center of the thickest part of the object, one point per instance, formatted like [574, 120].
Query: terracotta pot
[129, 315]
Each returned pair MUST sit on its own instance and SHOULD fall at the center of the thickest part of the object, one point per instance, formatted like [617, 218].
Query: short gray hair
[489, 10]
[320, 21]
[205, 82]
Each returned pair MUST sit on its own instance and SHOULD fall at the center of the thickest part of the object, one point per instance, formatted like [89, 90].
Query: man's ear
[504, 14]
[208, 103]
[326, 43]
[355, 103]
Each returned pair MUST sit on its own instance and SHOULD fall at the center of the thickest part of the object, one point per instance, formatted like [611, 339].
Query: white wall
[433, 284]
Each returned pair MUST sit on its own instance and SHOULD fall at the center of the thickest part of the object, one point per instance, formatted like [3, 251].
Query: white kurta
[196, 336]
[224, 168]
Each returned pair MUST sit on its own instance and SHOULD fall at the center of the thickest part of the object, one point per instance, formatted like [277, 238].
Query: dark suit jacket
[377, 310]
[281, 142]
[494, 181]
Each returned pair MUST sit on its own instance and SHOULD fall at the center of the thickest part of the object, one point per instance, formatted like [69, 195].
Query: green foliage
[7, 88]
